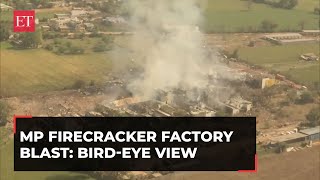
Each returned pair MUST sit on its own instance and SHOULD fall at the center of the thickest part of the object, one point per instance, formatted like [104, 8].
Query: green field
[234, 16]
[8, 15]
[39, 70]
[285, 59]
[7, 173]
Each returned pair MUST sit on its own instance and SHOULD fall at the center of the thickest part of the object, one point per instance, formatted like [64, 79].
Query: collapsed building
[176, 103]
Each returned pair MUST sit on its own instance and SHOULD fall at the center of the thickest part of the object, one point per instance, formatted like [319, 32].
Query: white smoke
[167, 33]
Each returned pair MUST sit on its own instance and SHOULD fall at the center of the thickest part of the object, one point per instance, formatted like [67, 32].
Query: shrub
[4, 110]
[99, 47]
[316, 10]
[92, 83]
[306, 97]
[78, 84]
[49, 47]
[313, 117]
[268, 26]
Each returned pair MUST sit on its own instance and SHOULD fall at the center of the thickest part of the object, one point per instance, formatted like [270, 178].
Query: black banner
[134, 144]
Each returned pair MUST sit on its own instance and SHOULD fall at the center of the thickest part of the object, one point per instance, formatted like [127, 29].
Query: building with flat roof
[312, 133]
[286, 38]
[289, 138]
[311, 32]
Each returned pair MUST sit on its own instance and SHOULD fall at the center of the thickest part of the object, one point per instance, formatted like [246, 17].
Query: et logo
[23, 21]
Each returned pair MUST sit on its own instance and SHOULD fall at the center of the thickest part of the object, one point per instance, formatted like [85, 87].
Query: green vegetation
[234, 16]
[39, 70]
[313, 117]
[4, 110]
[8, 15]
[285, 60]
[28, 40]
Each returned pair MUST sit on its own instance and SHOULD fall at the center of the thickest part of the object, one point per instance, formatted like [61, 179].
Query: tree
[29, 40]
[302, 24]
[4, 33]
[4, 110]
[306, 97]
[287, 4]
[268, 26]
[313, 117]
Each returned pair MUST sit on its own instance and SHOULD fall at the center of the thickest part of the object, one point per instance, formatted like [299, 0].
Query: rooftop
[311, 131]
[311, 31]
[283, 35]
[288, 137]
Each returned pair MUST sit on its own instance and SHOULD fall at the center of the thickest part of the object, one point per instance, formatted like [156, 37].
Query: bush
[251, 44]
[49, 47]
[99, 47]
[313, 117]
[78, 84]
[92, 83]
[4, 111]
[268, 26]
[316, 11]
[306, 97]
[286, 4]
[76, 50]
[107, 39]
[235, 54]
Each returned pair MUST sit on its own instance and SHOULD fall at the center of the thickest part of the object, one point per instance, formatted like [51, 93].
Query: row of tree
[31, 4]
[27, 40]
[284, 4]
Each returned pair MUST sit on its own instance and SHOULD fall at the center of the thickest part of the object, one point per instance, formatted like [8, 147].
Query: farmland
[285, 59]
[234, 16]
[40, 13]
[38, 70]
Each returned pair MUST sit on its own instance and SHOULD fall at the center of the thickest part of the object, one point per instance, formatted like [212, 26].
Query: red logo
[23, 21]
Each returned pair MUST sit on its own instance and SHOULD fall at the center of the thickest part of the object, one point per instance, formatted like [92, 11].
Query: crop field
[234, 16]
[285, 59]
[38, 70]
[40, 13]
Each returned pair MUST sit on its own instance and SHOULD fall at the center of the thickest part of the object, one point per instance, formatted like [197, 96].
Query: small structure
[239, 103]
[61, 16]
[203, 113]
[267, 82]
[289, 138]
[286, 38]
[311, 32]
[79, 13]
[89, 26]
[45, 28]
[312, 133]
[309, 57]
[114, 20]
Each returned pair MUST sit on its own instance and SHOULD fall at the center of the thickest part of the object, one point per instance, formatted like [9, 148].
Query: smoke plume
[174, 55]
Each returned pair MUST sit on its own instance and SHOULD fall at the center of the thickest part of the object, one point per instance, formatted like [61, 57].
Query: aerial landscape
[168, 58]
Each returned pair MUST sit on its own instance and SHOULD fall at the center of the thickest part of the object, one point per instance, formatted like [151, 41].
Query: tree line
[284, 4]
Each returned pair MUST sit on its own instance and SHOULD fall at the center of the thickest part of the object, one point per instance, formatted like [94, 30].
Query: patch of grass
[39, 70]
[285, 59]
[8, 15]
[233, 16]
